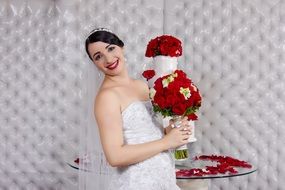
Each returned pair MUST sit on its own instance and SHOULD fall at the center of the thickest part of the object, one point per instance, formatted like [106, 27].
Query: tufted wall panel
[233, 51]
[40, 104]
[47, 83]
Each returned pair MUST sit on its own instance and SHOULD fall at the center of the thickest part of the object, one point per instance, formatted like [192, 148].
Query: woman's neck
[122, 79]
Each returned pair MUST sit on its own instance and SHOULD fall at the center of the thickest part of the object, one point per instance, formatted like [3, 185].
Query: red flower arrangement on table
[225, 164]
[165, 45]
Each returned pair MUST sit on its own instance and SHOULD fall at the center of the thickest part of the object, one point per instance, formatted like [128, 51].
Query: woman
[132, 141]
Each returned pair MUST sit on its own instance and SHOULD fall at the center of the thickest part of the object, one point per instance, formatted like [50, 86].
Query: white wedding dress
[155, 173]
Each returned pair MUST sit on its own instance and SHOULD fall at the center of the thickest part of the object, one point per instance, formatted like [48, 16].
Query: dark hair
[102, 36]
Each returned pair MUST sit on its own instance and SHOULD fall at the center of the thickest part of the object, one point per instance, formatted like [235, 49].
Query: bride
[134, 144]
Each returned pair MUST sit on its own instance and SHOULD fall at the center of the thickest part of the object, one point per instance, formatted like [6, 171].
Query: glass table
[196, 182]
[193, 182]
[73, 165]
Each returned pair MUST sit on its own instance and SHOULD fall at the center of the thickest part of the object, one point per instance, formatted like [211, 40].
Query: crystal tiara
[99, 29]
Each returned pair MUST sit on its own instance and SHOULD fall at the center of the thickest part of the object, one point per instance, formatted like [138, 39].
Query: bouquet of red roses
[164, 45]
[175, 95]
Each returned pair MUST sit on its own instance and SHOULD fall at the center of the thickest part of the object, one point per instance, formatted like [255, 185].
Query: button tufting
[235, 55]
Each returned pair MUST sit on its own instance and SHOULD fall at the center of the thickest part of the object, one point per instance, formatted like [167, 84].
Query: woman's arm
[109, 119]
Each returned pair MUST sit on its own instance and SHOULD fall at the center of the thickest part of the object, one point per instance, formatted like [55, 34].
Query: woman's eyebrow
[107, 46]
[99, 51]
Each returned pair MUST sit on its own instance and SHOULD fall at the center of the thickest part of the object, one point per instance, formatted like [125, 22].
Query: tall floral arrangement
[172, 93]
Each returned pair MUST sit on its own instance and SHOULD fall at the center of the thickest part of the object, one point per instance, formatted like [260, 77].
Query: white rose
[152, 92]
[186, 92]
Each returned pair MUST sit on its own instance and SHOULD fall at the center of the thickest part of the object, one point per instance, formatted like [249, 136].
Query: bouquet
[176, 96]
[164, 45]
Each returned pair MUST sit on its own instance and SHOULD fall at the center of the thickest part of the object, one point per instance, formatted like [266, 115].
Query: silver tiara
[99, 29]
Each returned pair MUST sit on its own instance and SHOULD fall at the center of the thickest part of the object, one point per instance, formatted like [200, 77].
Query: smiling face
[109, 58]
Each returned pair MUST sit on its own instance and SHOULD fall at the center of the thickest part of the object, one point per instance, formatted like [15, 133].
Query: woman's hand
[177, 136]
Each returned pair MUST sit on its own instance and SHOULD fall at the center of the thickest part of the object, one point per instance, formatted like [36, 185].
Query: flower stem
[181, 154]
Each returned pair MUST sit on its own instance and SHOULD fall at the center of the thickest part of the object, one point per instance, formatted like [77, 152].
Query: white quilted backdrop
[233, 50]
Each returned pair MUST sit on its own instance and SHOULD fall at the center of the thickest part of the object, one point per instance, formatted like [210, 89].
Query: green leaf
[164, 112]
[191, 110]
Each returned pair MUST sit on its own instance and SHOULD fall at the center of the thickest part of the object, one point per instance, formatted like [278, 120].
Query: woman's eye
[111, 48]
[97, 57]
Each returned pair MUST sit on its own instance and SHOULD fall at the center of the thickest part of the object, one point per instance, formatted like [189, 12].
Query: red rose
[173, 87]
[164, 45]
[174, 47]
[192, 117]
[158, 85]
[172, 99]
[181, 74]
[148, 74]
[151, 48]
[179, 109]
[160, 100]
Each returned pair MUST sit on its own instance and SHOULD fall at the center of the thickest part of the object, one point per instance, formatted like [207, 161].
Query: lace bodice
[139, 125]
[155, 173]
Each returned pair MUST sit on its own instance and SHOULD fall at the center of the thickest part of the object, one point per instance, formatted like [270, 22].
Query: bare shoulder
[106, 100]
[142, 84]
[142, 89]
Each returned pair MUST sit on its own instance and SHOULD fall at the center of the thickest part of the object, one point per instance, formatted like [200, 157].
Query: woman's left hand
[185, 122]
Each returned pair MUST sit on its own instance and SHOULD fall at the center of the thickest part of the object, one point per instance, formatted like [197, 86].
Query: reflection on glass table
[73, 165]
[83, 166]
[188, 170]
[196, 173]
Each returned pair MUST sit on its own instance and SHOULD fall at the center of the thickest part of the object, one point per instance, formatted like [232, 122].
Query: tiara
[99, 29]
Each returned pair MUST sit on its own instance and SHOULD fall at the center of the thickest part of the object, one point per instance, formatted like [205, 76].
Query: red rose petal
[225, 164]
